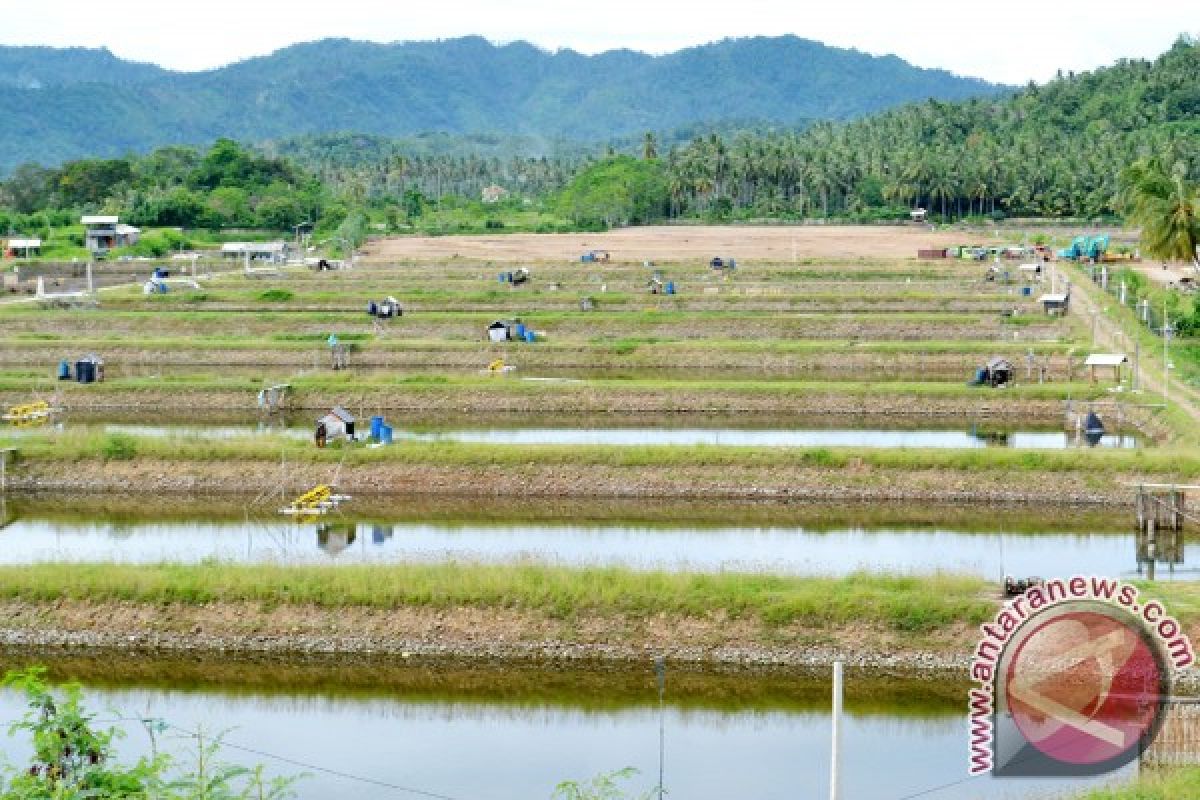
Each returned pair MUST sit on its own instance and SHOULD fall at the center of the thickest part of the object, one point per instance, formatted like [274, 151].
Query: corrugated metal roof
[99, 219]
[1105, 360]
[1053, 298]
[127, 229]
[24, 243]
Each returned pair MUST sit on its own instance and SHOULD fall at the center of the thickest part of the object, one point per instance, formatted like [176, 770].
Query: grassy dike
[1169, 784]
[511, 611]
[75, 447]
[84, 460]
[898, 603]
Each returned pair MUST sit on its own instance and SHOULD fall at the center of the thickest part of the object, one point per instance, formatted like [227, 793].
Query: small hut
[1111, 361]
[996, 373]
[337, 424]
[1055, 304]
[500, 330]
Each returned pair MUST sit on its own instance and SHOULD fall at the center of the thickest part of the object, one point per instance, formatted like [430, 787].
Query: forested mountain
[1054, 150]
[47, 67]
[63, 104]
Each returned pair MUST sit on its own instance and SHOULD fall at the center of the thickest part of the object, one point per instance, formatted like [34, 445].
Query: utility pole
[835, 754]
[1166, 332]
[660, 671]
[1137, 366]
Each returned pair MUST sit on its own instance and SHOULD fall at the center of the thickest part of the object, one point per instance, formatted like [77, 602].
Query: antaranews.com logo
[1072, 678]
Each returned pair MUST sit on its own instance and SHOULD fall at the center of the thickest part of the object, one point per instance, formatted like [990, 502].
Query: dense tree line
[226, 186]
[1054, 151]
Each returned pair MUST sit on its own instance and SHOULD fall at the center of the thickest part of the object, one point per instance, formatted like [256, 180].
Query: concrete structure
[271, 252]
[103, 233]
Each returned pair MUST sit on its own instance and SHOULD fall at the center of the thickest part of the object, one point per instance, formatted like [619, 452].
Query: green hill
[458, 86]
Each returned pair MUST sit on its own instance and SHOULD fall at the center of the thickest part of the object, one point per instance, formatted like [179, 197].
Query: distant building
[104, 233]
[494, 193]
[23, 247]
[272, 252]
[917, 215]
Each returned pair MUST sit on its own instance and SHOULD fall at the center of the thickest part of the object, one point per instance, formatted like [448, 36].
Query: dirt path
[778, 243]
[1086, 301]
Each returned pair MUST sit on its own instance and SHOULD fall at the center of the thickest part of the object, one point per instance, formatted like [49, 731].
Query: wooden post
[1151, 555]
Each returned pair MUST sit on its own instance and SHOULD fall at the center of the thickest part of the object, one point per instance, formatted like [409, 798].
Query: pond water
[787, 549]
[965, 437]
[489, 739]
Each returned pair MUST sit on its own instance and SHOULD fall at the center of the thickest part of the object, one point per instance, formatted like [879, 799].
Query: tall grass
[1177, 783]
[85, 445]
[903, 603]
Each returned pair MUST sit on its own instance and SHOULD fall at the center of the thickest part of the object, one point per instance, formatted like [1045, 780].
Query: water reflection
[788, 549]
[489, 748]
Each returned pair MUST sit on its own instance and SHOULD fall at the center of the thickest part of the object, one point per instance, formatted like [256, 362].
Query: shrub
[119, 447]
[276, 295]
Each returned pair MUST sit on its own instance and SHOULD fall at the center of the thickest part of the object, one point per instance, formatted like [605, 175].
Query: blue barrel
[670, 287]
[520, 330]
[503, 277]
[385, 434]
[1026, 291]
[981, 375]
[530, 337]
[376, 427]
[64, 370]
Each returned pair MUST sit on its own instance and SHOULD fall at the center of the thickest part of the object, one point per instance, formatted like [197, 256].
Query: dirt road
[778, 243]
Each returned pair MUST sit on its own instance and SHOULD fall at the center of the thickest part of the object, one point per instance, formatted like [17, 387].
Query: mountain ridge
[77, 102]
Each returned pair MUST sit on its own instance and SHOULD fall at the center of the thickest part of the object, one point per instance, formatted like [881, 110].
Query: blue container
[980, 376]
[385, 434]
[1026, 291]
[520, 330]
[503, 277]
[670, 287]
[530, 337]
[64, 370]
[376, 427]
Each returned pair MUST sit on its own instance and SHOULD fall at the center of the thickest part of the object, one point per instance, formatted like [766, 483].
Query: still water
[729, 437]
[517, 743]
[788, 549]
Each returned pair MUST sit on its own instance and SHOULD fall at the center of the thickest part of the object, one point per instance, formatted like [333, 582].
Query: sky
[1011, 42]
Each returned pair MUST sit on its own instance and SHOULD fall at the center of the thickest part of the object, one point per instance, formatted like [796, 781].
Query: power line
[293, 762]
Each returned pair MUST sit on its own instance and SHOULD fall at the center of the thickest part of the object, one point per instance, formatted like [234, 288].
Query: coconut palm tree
[1166, 205]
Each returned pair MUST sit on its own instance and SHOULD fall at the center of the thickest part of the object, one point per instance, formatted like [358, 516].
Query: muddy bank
[857, 482]
[347, 636]
[471, 633]
[515, 396]
[592, 360]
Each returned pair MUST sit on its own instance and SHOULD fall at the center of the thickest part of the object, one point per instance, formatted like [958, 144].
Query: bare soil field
[676, 243]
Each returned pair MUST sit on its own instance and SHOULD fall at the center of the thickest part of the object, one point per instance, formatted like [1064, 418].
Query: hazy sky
[1010, 42]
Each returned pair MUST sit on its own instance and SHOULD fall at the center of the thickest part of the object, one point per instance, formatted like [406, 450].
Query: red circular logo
[1085, 686]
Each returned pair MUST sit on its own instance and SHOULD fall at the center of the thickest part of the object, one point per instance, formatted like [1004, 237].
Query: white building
[103, 233]
[272, 252]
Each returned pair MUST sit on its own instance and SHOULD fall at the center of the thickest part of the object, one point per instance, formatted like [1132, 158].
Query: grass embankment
[307, 342]
[75, 447]
[1169, 784]
[17, 380]
[899, 603]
